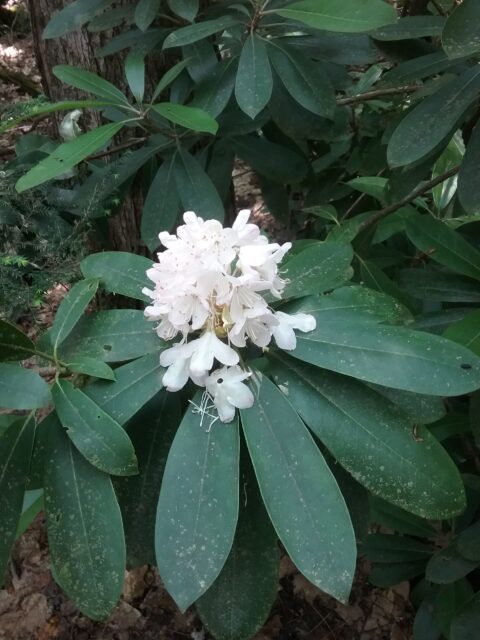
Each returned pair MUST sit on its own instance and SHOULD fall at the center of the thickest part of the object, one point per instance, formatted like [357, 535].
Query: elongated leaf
[89, 82]
[447, 566]
[16, 445]
[14, 344]
[461, 35]
[67, 155]
[274, 161]
[198, 31]
[467, 619]
[73, 16]
[238, 602]
[410, 27]
[349, 16]
[186, 9]
[162, 204]
[300, 493]
[433, 284]
[71, 309]
[136, 383]
[168, 78]
[32, 505]
[373, 440]
[468, 188]
[393, 357]
[444, 245]
[188, 117]
[95, 434]
[320, 267]
[381, 547]
[387, 575]
[304, 80]
[135, 74]
[198, 507]
[254, 83]
[92, 367]
[195, 188]
[152, 431]
[420, 409]
[111, 336]
[85, 532]
[22, 388]
[146, 12]
[434, 120]
[213, 94]
[417, 68]
[468, 542]
[119, 272]
[466, 332]
[201, 58]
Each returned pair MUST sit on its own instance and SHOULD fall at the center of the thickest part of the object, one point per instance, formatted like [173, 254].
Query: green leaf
[198, 507]
[254, 83]
[146, 12]
[96, 435]
[299, 491]
[392, 517]
[382, 547]
[388, 575]
[22, 388]
[92, 367]
[461, 35]
[14, 344]
[410, 27]
[198, 31]
[71, 309]
[348, 16]
[67, 155]
[448, 601]
[16, 444]
[466, 332]
[238, 602]
[467, 619]
[451, 157]
[73, 16]
[197, 192]
[188, 117]
[420, 409]
[433, 284]
[186, 9]
[352, 304]
[214, 92]
[119, 272]
[274, 161]
[168, 78]
[416, 69]
[434, 120]
[32, 505]
[304, 80]
[136, 383]
[89, 82]
[162, 204]
[320, 267]
[111, 336]
[85, 532]
[393, 357]
[135, 74]
[468, 542]
[444, 245]
[373, 440]
[152, 431]
[447, 566]
[468, 187]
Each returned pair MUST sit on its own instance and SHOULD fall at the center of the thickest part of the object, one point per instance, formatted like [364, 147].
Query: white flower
[211, 282]
[69, 128]
[228, 391]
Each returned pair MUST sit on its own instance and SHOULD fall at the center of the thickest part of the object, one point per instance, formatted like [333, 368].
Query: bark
[78, 49]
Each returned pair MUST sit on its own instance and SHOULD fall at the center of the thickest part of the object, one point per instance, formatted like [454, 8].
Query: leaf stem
[378, 93]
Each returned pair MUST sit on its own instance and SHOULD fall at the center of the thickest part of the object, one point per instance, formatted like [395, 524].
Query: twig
[419, 191]
[378, 93]
[120, 147]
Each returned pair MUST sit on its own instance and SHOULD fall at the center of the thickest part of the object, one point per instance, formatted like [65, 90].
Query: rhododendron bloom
[210, 281]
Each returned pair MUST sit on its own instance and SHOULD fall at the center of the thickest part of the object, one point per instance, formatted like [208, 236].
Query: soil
[32, 606]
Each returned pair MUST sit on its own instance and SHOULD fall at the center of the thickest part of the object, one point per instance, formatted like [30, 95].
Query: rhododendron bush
[232, 391]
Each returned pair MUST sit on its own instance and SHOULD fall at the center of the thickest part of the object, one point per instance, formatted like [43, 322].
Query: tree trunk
[78, 49]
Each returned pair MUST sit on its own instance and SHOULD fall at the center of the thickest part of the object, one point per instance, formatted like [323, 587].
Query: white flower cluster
[210, 281]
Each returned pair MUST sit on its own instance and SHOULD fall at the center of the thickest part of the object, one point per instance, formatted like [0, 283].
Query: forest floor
[32, 607]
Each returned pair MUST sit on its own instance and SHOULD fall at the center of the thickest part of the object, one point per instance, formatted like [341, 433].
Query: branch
[120, 147]
[21, 80]
[419, 191]
[377, 93]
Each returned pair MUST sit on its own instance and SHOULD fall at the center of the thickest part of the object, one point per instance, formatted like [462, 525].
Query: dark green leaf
[168, 78]
[468, 186]
[461, 35]
[16, 445]
[96, 435]
[212, 95]
[420, 409]
[22, 388]
[85, 532]
[392, 517]
[195, 188]
[92, 367]
[14, 345]
[466, 332]
[373, 439]
[382, 547]
[67, 155]
[152, 431]
[447, 566]
[198, 507]
[348, 16]
[71, 309]
[186, 9]
[254, 83]
[188, 117]
[89, 82]
[146, 12]
[198, 31]
[119, 272]
[432, 284]
[135, 74]
[411, 27]
[73, 16]
[274, 161]
[300, 493]
[434, 120]
[467, 619]
[388, 575]
[32, 505]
